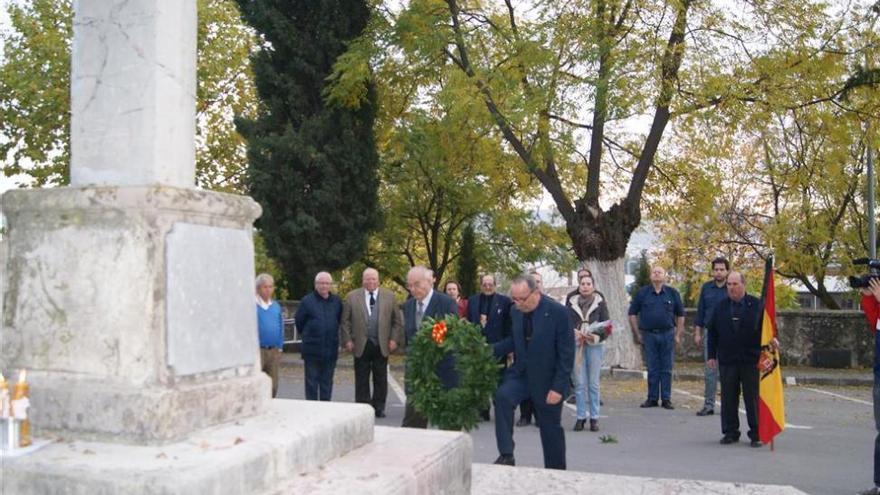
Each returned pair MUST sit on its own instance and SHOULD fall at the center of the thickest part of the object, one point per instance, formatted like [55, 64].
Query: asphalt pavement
[826, 449]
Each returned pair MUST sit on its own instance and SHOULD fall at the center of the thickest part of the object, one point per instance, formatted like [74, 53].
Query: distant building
[837, 286]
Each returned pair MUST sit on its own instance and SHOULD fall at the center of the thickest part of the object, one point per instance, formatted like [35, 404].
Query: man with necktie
[371, 328]
[425, 303]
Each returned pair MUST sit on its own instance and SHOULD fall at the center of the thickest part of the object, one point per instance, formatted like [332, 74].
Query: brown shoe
[594, 425]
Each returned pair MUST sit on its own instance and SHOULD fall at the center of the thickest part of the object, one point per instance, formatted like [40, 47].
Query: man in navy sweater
[318, 322]
[270, 327]
[711, 294]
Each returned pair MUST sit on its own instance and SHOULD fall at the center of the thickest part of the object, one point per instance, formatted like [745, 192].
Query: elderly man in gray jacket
[371, 329]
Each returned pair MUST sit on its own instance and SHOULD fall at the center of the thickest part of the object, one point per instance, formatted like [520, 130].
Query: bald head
[419, 281]
[658, 275]
[736, 286]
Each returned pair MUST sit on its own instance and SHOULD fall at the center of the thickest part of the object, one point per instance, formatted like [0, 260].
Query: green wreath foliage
[457, 408]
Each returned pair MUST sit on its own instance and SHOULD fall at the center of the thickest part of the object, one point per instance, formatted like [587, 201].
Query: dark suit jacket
[355, 314]
[498, 320]
[439, 306]
[731, 347]
[547, 361]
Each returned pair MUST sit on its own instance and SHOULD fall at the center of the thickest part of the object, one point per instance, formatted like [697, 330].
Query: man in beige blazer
[371, 329]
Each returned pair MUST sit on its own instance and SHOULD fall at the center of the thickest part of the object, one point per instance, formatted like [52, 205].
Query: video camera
[864, 281]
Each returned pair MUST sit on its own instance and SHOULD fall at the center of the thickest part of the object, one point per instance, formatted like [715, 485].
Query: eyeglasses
[522, 299]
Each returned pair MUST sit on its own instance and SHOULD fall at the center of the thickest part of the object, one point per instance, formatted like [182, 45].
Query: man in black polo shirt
[656, 316]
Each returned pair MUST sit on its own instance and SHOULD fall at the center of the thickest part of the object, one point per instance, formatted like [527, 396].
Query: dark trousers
[525, 409]
[319, 378]
[877, 425]
[736, 379]
[371, 362]
[513, 390]
[659, 349]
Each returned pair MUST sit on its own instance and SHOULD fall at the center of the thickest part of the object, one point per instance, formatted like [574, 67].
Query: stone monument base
[132, 309]
[149, 415]
[296, 447]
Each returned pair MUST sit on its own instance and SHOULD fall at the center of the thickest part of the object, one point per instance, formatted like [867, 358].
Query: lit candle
[4, 397]
[20, 393]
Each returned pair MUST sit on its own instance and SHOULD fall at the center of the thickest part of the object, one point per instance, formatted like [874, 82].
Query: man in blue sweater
[318, 322]
[270, 326]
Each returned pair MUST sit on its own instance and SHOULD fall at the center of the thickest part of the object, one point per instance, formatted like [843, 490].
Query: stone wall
[802, 333]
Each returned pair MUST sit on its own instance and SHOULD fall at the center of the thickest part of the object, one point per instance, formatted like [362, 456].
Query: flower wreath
[459, 407]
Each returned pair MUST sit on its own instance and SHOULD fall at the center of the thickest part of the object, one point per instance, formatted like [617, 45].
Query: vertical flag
[771, 406]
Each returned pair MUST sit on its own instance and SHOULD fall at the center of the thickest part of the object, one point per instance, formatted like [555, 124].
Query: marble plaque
[211, 315]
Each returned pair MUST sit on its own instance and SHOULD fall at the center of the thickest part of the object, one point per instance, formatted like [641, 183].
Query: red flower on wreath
[438, 332]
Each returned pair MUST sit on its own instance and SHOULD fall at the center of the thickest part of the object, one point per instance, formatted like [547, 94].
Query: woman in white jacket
[587, 311]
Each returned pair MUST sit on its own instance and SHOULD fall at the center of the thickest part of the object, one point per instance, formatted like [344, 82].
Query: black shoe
[667, 404]
[649, 403]
[524, 422]
[756, 444]
[706, 411]
[728, 440]
[870, 491]
[594, 425]
[505, 460]
[579, 425]
[380, 414]
[571, 399]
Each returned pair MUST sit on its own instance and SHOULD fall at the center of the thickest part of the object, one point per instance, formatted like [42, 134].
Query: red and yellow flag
[771, 405]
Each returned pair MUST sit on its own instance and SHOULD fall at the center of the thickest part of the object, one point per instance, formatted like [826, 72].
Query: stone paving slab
[490, 479]
[247, 456]
[399, 461]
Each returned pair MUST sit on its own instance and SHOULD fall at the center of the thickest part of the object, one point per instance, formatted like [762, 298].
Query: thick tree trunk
[619, 348]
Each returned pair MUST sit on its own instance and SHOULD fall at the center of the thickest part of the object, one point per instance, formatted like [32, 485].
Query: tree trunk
[619, 348]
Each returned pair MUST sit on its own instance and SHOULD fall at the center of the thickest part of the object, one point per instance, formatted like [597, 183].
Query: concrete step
[399, 461]
[248, 456]
[489, 479]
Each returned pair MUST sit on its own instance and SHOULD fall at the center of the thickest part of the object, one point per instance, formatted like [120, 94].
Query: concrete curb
[790, 379]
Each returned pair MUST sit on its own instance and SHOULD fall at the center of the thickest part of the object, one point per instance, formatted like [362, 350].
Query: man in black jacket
[734, 347]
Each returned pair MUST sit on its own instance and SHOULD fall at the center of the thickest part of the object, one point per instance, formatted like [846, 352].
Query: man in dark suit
[543, 349]
[371, 328]
[425, 303]
[491, 311]
[734, 333]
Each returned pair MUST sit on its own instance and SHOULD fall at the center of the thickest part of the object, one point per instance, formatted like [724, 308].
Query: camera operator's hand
[875, 288]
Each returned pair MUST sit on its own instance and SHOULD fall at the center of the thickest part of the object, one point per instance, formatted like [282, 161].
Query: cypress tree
[643, 273]
[312, 165]
[467, 262]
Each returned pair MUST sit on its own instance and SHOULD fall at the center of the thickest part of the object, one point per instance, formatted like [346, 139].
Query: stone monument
[128, 293]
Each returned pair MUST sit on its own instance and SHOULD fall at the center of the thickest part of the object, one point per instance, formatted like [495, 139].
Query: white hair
[262, 279]
[421, 272]
[323, 273]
